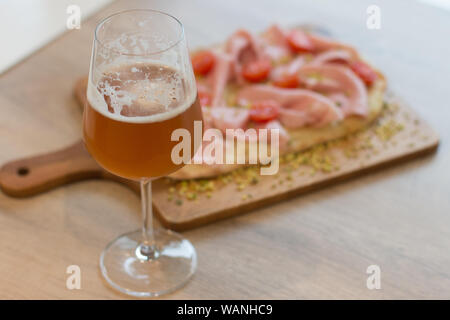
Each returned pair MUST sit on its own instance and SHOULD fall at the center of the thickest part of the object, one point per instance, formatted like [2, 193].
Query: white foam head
[161, 98]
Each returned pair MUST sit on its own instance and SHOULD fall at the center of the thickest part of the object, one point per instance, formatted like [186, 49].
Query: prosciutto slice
[243, 48]
[229, 118]
[219, 76]
[275, 45]
[299, 107]
[292, 67]
[275, 35]
[333, 55]
[324, 44]
[339, 83]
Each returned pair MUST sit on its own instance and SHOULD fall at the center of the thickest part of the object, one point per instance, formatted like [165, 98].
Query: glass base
[126, 269]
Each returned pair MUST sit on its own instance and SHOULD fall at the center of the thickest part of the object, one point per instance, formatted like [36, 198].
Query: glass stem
[148, 248]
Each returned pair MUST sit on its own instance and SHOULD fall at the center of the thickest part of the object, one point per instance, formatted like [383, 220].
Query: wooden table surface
[314, 246]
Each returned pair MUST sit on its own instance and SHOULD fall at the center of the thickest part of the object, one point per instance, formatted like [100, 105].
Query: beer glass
[141, 88]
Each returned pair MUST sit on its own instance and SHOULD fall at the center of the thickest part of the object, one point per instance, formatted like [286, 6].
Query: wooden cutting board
[398, 135]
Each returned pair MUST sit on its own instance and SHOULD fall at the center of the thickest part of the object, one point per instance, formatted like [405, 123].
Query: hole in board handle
[23, 171]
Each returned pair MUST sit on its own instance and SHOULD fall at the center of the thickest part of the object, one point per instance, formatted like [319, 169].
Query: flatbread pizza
[309, 88]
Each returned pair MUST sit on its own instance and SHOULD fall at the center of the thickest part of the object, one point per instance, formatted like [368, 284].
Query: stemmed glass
[141, 88]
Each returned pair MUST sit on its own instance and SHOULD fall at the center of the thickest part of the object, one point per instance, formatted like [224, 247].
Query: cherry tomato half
[203, 62]
[299, 41]
[257, 71]
[264, 111]
[286, 80]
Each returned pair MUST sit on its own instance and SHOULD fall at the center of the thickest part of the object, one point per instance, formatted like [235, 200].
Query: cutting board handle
[29, 176]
